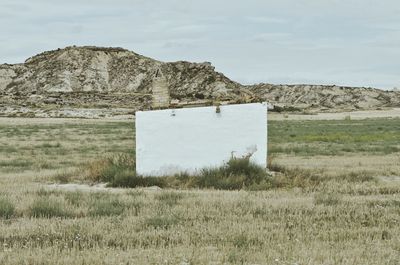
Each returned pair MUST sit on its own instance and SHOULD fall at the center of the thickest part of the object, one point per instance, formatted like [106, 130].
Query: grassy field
[338, 204]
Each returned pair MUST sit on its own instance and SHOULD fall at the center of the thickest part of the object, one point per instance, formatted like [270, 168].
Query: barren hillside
[327, 98]
[93, 81]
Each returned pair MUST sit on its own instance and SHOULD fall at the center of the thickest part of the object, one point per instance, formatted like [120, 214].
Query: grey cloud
[267, 19]
[353, 42]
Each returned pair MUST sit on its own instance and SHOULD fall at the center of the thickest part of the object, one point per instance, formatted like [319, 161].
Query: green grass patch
[169, 198]
[161, 221]
[76, 198]
[118, 166]
[327, 199]
[63, 177]
[16, 164]
[334, 137]
[48, 208]
[237, 173]
[7, 208]
[107, 207]
[49, 145]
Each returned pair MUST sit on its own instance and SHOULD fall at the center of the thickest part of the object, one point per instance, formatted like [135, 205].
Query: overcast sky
[343, 42]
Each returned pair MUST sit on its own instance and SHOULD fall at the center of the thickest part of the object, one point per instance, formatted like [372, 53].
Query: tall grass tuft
[107, 207]
[63, 177]
[7, 209]
[169, 198]
[327, 199]
[237, 173]
[119, 171]
[161, 221]
[132, 181]
[48, 208]
[109, 168]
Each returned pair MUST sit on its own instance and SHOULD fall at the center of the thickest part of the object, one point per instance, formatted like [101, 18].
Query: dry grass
[66, 145]
[309, 216]
[205, 226]
[378, 165]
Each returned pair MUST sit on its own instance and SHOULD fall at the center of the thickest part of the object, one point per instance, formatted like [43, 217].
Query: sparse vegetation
[112, 169]
[161, 221]
[6, 208]
[48, 208]
[280, 109]
[60, 147]
[334, 138]
[197, 221]
[64, 176]
[169, 198]
[327, 199]
[106, 207]
[237, 173]
[311, 210]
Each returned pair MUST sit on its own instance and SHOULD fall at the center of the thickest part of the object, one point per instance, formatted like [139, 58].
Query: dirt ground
[354, 115]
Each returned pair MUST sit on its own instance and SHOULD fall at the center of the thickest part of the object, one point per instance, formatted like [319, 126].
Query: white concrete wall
[186, 140]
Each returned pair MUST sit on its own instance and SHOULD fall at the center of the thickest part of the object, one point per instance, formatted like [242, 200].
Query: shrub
[131, 181]
[119, 171]
[47, 208]
[280, 109]
[122, 178]
[96, 170]
[243, 166]
[272, 166]
[6, 208]
[218, 179]
[237, 173]
[107, 169]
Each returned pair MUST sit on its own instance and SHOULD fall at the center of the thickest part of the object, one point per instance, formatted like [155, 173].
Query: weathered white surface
[186, 140]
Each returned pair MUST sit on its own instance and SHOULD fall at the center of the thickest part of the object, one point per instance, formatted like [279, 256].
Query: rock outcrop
[115, 78]
[327, 98]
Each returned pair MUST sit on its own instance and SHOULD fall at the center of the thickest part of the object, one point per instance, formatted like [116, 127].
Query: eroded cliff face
[115, 79]
[93, 77]
[327, 98]
[83, 69]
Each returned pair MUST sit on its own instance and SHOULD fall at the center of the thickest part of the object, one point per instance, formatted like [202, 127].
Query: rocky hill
[93, 81]
[327, 98]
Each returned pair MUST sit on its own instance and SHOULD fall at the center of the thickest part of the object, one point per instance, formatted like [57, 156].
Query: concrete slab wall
[186, 140]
